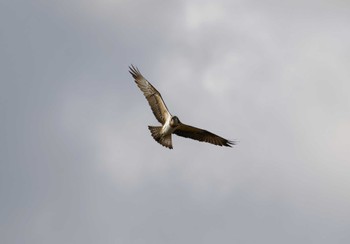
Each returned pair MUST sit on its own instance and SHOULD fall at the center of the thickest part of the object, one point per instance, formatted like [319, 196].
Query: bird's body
[167, 128]
[171, 124]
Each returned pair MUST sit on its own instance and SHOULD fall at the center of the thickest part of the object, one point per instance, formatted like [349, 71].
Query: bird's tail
[163, 140]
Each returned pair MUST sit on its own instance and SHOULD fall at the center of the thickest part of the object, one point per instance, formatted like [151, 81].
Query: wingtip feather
[230, 143]
[134, 71]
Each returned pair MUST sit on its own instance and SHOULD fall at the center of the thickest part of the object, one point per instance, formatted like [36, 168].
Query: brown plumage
[171, 124]
[153, 96]
[201, 135]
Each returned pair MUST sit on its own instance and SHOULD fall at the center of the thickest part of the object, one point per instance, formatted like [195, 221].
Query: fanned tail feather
[163, 140]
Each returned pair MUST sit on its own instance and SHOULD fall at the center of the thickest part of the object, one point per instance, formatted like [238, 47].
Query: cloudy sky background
[78, 164]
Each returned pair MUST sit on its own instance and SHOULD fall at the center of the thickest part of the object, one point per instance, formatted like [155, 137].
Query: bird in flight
[171, 124]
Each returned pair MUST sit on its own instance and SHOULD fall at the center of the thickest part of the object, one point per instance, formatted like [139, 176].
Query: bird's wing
[153, 96]
[202, 135]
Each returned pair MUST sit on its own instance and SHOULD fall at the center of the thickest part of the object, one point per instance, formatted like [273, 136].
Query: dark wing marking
[202, 135]
[153, 97]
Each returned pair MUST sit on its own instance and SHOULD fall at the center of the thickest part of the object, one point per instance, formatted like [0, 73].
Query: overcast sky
[78, 164]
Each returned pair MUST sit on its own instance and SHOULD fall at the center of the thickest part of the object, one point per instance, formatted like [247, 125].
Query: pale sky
[78, 164]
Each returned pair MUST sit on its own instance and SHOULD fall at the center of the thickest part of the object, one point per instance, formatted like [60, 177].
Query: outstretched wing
[202, 135]
[153, 96]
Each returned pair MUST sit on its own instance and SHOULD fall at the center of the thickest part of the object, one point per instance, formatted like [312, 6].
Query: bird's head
[174, 121]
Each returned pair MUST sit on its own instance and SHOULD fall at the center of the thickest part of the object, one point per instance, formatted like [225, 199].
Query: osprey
[171, 124]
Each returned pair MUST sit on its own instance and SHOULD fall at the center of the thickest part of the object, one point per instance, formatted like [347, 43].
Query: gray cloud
[78, 164]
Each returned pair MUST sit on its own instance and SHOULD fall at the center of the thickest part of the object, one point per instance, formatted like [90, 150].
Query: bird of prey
[171, 124]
